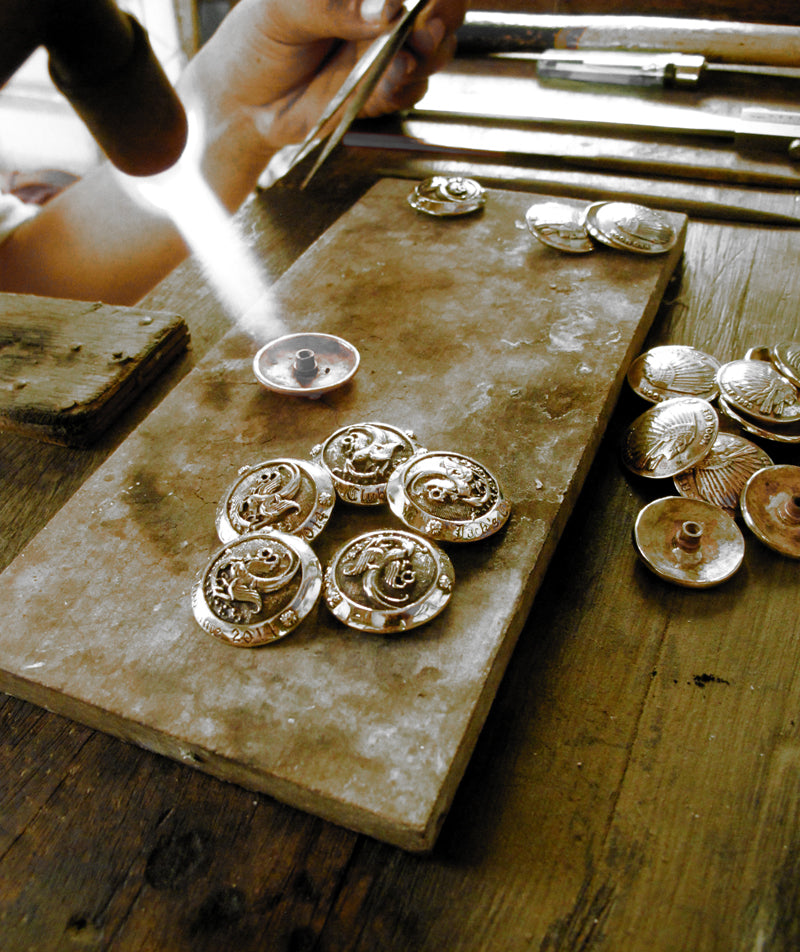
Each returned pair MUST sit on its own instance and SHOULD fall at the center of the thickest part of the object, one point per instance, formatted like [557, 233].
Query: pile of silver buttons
[265, 579]
[693, 539]
[624, 226]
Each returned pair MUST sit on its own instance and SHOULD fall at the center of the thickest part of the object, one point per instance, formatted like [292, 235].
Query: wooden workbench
[634, 788]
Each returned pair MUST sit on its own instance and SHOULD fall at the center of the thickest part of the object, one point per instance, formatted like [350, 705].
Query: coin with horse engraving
[289, 495]
[670, 437]
[388, 581]
[257, 588]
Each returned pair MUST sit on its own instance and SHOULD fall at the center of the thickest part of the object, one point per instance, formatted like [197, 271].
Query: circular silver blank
[280, 364]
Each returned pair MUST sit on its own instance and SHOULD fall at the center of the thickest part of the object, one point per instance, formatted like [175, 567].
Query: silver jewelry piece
[444, 196]
[257, 589]
[388, 581]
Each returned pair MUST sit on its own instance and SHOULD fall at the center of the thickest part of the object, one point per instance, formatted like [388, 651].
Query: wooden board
[69, 368]
[471, 333]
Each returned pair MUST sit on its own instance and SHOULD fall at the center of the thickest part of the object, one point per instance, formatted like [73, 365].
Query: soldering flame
[213, 238]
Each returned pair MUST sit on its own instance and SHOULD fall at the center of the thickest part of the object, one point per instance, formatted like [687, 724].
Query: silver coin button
[670, 437]
[388, 581]
[447, 496]
[287, 495]
[559, 226]
[757, 389]
[630, 227]
[257, 589]
[361, 457]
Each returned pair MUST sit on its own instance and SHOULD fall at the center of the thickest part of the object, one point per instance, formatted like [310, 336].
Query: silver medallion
[721, 475]
[771, 508]
[388, 581]
[445, 196]
[674, 370]
[361, 457]
[287, 495]
[786, 358]
[757, 389]
[688, 541]
[257, 589]
[447, 496]
[630, 227]
[670, 437]
[778, 433]
[560, 226]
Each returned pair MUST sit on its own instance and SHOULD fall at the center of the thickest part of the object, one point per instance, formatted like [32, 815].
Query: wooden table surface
[635, 786]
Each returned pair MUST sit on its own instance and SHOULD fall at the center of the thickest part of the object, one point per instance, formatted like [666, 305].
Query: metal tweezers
[357, 87]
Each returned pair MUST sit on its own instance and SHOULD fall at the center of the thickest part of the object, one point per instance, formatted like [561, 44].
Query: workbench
[635, 785]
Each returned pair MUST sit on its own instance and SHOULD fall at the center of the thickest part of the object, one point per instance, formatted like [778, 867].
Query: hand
[276, 63]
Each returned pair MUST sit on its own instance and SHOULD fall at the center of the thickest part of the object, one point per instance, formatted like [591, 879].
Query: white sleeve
[12, 213]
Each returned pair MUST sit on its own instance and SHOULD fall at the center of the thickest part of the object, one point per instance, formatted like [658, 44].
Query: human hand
[276, 63]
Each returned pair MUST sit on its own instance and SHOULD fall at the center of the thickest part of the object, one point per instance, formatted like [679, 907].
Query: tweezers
[357, 88]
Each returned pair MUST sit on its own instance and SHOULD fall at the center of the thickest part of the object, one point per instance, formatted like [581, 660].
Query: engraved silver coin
[388, 581]
[560, 226]
[287, 495]
[630, 227]
[447, 496]
[771, 508]
[786, 358]
[257, 588]
[674, 370]
[688, 541]
[757, 389]
[361, 457]
[446, 196]
[720, 477]
[670, 437]
[778, 433]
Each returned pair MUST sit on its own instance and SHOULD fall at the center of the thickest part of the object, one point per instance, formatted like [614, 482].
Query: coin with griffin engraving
[361, 457]
[287, 495]
[757, 389]
[669, 437]
[447, 496]
[674, 370]
[560, 226]
[719, 477]
[446, 196]
[388, 581]
[630, 227]
[257, 588]
[771, 508]
[778, 433]
[786, 358]
[688, 541]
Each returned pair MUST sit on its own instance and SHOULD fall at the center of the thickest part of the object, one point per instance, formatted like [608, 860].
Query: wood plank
[437, 300]
[68, 369]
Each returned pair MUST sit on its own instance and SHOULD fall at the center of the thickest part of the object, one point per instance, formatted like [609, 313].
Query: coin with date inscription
[257, 588]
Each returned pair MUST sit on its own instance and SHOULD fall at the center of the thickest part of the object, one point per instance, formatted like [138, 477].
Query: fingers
[297, 22]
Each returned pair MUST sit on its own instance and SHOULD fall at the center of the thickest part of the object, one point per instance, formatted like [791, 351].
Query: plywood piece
[69, 368]
[472, 334]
